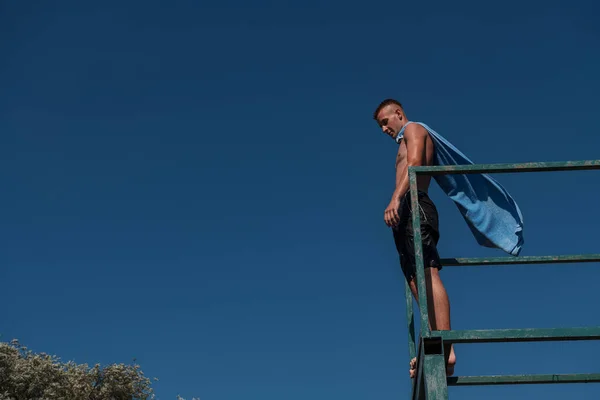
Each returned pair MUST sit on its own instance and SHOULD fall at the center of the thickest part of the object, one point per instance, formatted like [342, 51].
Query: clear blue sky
[201, 186]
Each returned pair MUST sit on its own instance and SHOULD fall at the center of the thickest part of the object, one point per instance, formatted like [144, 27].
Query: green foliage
[25, 375]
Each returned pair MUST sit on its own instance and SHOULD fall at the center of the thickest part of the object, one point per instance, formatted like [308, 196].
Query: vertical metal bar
[418, 384]
[416, 220]
[435, 369]
[435, 378]
[412, 351]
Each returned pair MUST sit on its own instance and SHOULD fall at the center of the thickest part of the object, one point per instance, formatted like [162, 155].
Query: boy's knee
[412, 283]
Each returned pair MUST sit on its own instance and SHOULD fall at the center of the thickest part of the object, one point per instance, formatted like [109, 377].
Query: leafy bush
[25, 375]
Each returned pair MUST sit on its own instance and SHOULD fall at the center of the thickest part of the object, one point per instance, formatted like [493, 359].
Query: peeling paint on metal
[522, 379]
[519, 335]
[508, 167]
[435, 377]
[576, 258]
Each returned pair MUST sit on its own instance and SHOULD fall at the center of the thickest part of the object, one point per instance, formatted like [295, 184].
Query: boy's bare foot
[451, 362]
[449, 365]
[413, 367]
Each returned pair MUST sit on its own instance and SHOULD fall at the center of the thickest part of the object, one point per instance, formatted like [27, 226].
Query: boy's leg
[439, 312]
[437, 298]
[438, 308]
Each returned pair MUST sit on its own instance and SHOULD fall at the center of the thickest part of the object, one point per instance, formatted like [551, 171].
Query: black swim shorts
[404, 235]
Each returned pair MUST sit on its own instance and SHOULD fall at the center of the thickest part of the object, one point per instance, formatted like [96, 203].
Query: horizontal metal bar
[521, 379]
[519, 335]
[456, 262]
[508, 167]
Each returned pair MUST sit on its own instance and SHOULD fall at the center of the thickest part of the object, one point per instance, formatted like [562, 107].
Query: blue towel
[490, 212]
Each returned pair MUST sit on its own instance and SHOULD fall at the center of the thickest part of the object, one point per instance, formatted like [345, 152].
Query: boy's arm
[415, 138]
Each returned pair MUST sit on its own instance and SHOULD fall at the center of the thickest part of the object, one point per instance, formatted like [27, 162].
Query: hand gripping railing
[431, 382]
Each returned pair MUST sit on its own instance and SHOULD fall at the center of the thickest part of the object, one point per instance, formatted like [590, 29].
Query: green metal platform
[431, 382]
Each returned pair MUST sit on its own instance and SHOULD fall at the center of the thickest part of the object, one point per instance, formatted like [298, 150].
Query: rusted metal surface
[519, 335]
[430, 380]
[522, 379]
[435, 377]
[564, 259]
[508, 167]
[435, 369]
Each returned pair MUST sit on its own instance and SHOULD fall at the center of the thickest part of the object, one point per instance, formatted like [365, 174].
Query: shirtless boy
[416, 149]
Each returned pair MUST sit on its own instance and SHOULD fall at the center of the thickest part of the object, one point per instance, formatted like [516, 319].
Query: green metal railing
[431, 382]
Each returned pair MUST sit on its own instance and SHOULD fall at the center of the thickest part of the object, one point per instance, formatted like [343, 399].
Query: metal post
[412, 351]
[435, 369]
[416, 220]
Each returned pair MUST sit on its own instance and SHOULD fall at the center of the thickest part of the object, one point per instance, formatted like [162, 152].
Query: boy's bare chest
[401, 156]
